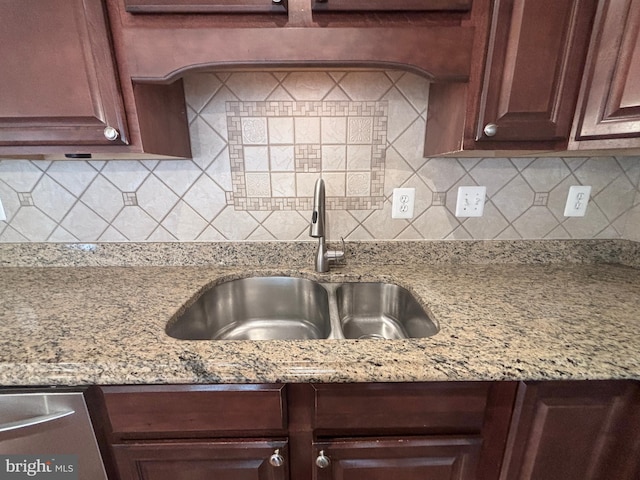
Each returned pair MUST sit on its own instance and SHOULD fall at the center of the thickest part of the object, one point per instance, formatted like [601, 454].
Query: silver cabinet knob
[490, 129]
[322, 461]
[111, 133]
[276, 459]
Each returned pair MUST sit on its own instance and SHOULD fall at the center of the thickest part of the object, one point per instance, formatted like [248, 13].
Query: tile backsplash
[260, 139]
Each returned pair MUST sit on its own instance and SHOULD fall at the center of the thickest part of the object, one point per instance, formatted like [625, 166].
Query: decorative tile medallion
[306, 138]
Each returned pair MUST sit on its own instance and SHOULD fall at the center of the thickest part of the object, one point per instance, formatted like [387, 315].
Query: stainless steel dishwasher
[47, 432]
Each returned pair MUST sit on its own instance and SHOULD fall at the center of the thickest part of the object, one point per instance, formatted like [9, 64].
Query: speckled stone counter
[520, 320]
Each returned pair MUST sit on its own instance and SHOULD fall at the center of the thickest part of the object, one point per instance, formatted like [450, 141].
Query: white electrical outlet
[577, 200]
[403, 201]
[470, 201]
[3, 216]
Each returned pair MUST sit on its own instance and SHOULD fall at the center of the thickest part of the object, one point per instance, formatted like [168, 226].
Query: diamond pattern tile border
[308, 157]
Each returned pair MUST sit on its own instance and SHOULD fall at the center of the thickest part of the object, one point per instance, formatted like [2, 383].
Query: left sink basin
[256, 308]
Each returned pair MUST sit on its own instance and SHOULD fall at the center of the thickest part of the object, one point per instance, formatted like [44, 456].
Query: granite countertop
[499, 320]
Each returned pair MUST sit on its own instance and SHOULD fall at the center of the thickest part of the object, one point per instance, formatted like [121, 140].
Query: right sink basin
[381, 310]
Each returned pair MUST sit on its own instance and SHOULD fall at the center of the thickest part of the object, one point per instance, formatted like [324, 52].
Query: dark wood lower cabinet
[204, 460]
[574, 431]
[433, 458]
[579, 430]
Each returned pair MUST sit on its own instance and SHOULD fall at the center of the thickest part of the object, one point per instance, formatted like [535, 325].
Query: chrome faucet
[323, 256]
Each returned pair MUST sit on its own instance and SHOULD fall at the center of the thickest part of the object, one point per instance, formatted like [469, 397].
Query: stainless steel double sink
[288, 308]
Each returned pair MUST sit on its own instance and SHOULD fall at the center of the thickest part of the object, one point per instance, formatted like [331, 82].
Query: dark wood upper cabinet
[63, 91]
[574, 431]
[608, 113]
[507, 75]
[533, 70]
[59, 82]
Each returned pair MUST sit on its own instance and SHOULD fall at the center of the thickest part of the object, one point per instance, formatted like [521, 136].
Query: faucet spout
[318, 214]
[317, 230]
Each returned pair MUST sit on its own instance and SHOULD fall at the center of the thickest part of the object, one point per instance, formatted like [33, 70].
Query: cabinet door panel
[610, 100]
[237, 460]
[571, 431]
[536, 54]
[59, 84]
[433, 458]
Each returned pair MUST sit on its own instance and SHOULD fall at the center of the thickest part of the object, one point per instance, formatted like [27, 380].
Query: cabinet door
[409, 458]
[574, 431]
[59, 85]
[182, 460]
[532, 75]
[609, 105]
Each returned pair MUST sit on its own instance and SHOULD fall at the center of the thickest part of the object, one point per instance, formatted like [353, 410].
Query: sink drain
[370, 336]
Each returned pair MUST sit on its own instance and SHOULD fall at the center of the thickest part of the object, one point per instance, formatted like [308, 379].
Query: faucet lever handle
[336, 255]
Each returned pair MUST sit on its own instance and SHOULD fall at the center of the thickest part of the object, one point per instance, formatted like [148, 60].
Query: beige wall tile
[358, 184]
[194, 199]
[103, 198]
[308, 85]
[21, 176]
[305, 183]
[283, 184]
[258, 184]
[82, 222]
[256, 159]
[358, 157]
[254, 131]
[307, 130]
[134, 224]
[280, 130]
[251, 86]
[281, 158]
[335, 184]
[334, 157]
[334, 130]
[35, 226]
[365, 85]
[184, 223]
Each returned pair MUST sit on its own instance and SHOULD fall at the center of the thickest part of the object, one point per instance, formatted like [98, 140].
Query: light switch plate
[3, 216]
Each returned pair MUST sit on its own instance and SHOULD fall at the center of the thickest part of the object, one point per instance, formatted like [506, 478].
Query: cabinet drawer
[395, 5]
[269, 6]
[184, 411]
[204, 6]
[436, 408]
